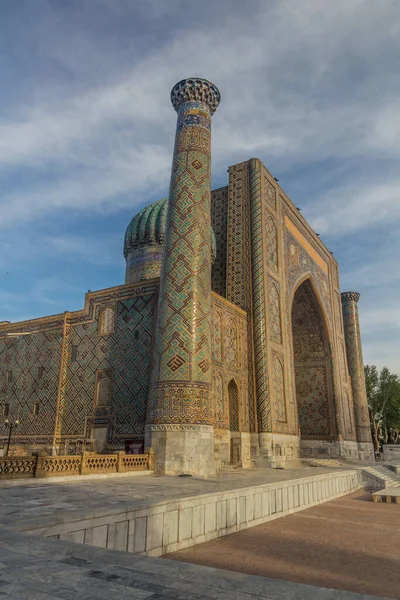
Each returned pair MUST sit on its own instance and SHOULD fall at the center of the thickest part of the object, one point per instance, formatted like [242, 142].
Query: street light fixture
[10, 424]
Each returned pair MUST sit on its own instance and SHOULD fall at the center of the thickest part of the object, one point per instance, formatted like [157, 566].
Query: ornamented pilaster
[180, 394]
[356, 370]
[65, 351]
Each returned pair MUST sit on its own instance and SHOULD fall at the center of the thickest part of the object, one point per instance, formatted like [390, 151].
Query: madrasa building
[229, 343]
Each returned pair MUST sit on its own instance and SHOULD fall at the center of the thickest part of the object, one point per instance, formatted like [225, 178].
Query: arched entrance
[313, 372]
[236, 446]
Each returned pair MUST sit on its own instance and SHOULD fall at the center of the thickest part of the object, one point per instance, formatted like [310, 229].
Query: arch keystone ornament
[181, 389]
[356, 370]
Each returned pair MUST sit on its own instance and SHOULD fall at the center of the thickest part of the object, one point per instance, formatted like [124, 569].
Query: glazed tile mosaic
[229, 343]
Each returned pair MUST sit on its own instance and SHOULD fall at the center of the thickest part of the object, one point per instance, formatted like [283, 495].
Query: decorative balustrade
[98, 463]
[16, 468]
[135, 462]
[51, 466]
[86, 464]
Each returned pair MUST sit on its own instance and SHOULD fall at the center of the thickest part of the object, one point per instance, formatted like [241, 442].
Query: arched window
[233, 394]
[107, 320]
[103, 391]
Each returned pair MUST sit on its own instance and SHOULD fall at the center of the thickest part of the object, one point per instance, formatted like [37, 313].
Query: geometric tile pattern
[270, 193]
[232, 362]
[356, 364]
[218, 389]
[301, 262]
[23, 357]
[279, 390]
[272, 243]
[312, 401]
[125, 354]
[107, 320]
[347, 414]
[238, 281]
[274, 311]
[231, 344]
[217, 335]
[183, 330]
[238, 224]
[259, 316]
[312, 362]
[219, 218]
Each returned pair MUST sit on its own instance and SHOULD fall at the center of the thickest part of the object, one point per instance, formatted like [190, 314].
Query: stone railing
[87, 463]
[17, 468]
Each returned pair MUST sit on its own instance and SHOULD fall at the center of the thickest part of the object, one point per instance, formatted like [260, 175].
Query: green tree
[383, 393]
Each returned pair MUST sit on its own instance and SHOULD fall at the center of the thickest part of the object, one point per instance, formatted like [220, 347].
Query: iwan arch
[230, 342]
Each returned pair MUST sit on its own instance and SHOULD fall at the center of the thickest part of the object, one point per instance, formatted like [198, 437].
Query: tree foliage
[383, 393]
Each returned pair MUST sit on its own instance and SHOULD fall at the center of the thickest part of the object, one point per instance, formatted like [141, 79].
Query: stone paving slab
[33, 568]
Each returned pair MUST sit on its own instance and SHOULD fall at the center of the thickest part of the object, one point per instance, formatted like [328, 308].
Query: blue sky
[86, 134]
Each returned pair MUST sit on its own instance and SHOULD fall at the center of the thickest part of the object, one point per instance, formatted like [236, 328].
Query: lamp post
[10, 424]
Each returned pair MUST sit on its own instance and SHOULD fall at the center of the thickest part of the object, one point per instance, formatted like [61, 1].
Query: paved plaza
[48, 502]
[33, 567]
[350, 543]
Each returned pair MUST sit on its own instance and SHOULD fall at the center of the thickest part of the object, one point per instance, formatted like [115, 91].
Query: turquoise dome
[148, 228]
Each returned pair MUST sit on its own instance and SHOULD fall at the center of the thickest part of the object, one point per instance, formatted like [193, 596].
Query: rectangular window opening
[74, 353]
[36, 409]
[6, 409]
[40, 372]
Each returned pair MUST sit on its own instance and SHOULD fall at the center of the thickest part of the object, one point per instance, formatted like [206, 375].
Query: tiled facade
[226, 345]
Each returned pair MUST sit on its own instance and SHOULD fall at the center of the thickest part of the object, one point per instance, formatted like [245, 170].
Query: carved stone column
[180, 404]
[356, 370]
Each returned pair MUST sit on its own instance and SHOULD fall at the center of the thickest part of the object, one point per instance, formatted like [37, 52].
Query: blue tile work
[126, 352]
[219, 222]
[34, 363]
[238, 265]
[356, 365]
[312, 363]
[181, 385]
[259, 305]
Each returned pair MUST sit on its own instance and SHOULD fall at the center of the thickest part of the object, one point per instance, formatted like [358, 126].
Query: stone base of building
[280, 450]
[348, 450]
[182, 449]
[366, 451]
[277, 449]
[320, 448]
[232, 449]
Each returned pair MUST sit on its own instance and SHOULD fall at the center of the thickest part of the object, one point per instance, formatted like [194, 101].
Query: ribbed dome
[148, 228]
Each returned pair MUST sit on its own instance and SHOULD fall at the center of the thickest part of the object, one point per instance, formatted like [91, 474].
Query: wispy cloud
[274, 66]
[86, 130]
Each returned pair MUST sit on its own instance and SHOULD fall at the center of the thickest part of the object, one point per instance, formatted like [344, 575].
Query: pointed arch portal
[312, 366]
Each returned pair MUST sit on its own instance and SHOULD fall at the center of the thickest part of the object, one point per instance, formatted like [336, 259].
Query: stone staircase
[379, 477]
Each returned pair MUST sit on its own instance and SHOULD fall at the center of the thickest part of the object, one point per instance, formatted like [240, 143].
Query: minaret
[356, 370]
[180, 415]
